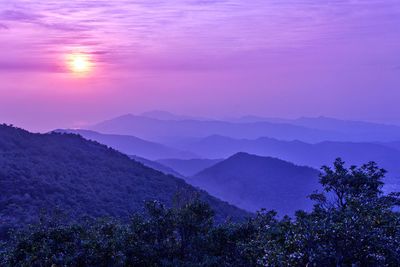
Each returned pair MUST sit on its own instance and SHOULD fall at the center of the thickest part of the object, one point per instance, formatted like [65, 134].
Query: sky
[216, 58]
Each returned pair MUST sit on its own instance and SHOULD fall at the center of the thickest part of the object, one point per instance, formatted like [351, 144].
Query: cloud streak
[203, 27]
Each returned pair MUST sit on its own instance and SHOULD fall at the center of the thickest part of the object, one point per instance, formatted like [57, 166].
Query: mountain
[131, 145]
[165, 115]
[354, 130]
[395, 145]
[252, 182]
[361, 131]
[157, 166]
[188, 167]
[167, 130]
[313, 155]
[254, 118]
[80, 177]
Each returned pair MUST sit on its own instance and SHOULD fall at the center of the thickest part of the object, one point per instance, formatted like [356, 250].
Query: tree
[352, 224]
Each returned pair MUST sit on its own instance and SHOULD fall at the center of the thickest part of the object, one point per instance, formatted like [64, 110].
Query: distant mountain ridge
[157, 165]
[358, 130]
[80, 177]
[313, 155]
[395, 145]
[161, 130]
[160, 126]
[189, 167]
[252, 182]
[165, 115]
[132, 145]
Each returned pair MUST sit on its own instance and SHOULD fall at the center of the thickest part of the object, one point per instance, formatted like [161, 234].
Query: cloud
[41, 20]
[15, 15]
[181, 33]
[26, 66]
[65, 27]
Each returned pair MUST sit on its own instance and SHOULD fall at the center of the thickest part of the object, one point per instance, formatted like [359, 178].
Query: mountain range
[188, 167]
[357, 130]
[157, 165]
[305, 141]
[132, 145]
[58, 171]
[313, 155]
[169, 130]
[166, 127]
[165, 115]
[82, 171]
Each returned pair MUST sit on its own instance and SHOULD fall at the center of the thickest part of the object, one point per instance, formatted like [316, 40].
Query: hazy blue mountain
[252, 182]
[361, 131]
[77, 176]
[254, 118]
[188, 167]
[395, 145]
[353, 130]
[157, 166]
[161, 130]
[131, 145]
[314, 155]
[163, 127]
[165, 115]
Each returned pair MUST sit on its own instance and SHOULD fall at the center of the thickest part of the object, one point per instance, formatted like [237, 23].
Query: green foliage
[180, 236]
[353, 223]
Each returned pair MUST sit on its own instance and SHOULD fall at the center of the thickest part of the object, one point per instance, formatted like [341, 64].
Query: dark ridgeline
[80, 177]
[189, 167]
[301, 153]
[395, 144]
[252, 182]
[156, 165]
[132, 145]
[343, 130]
[312, 130]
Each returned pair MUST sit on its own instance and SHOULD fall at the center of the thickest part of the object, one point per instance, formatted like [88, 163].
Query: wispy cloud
[3, 27]
[190, 29]
[23, 66]
[16, 15]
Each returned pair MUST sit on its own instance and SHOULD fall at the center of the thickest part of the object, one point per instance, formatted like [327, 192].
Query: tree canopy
[353, 223]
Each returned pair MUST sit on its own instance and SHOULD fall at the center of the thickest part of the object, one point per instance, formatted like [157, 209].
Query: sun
[79, 63]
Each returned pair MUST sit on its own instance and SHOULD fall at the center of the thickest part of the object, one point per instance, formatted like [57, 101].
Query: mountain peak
[253, 182]
[256, 160]
[169, 116]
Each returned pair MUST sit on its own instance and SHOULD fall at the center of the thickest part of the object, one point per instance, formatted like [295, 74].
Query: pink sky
[216, 58]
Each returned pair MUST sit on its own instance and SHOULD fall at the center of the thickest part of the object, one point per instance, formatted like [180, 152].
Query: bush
[352, 224]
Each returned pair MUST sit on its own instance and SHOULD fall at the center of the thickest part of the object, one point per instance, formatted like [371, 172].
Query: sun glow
[79, 63]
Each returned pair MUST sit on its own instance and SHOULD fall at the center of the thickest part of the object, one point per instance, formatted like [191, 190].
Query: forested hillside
[253, 182]
[48, 172]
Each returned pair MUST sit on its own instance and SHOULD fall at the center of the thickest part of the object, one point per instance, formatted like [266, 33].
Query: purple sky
[214, 58]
